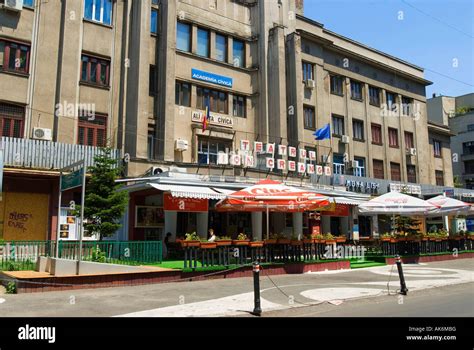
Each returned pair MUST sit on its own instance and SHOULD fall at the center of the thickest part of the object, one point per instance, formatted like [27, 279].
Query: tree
[104, 204]
[406, 225]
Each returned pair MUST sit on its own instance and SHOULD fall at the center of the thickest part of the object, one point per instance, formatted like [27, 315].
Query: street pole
[403, 287]
[268, 222]
[257, 310]
[56, 254]
[83, 198]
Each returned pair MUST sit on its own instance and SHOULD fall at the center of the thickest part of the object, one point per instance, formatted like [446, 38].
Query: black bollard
[257, 310]
[403, 287]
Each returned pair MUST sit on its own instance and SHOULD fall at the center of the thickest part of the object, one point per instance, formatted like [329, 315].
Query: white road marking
[2, 300]
[343, 293]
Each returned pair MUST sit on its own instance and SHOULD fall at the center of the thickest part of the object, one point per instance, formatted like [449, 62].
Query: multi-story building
[458, 112]
[138, 76]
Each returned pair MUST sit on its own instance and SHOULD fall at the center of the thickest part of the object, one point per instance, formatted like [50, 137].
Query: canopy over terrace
[450, 206]
[397, 203]
[270, 195]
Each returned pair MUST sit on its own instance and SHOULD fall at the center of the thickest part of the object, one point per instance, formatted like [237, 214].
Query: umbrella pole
[268, 222]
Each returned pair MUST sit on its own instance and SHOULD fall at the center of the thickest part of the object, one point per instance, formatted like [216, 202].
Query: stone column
[257, 225]
[298, 224]
[171, 219]
[202, 224]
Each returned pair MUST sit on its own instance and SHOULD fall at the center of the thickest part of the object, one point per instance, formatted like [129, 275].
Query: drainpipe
[59, 69]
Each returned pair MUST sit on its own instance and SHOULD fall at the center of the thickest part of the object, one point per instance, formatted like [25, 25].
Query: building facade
[139, 76]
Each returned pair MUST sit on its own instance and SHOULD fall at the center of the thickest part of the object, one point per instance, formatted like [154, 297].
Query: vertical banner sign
[1, 173]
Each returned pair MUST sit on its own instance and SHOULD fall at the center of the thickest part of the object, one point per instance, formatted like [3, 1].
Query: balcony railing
[37, 154]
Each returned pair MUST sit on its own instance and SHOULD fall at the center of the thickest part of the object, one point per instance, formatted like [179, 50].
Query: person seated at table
[212, 236]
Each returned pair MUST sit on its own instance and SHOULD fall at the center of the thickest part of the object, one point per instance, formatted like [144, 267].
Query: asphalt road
[361, 292]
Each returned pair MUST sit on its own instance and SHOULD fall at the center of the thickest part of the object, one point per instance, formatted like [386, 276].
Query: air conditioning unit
[42, 134]
[411, 151]
[181, 145]
[345, 139]
[154, 171]
[12, 5]
[310, 84]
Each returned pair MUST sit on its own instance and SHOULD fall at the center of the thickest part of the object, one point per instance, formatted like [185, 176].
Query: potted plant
[307, 239]
[272, 239]
[256, 244]
[282, 239]
[341, 239]
[223, 241]
[242, 239]
[208, 245]
[318, 238]
[329, 238]
[191, 240]
[386, 237]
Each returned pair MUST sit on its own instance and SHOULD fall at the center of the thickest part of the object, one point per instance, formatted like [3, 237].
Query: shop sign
[410, 189]
[339, 210]
[215, 119]
[362, 186]
[211, 78]
[185, 204]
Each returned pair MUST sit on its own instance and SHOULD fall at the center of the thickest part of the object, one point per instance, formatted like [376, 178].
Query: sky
[436, 35]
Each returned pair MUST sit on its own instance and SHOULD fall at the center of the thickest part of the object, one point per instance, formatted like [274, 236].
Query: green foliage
[462, 110]
[104, 204]
[192, 237]
[98, 255]
[242, 237]
[223, 238]
[11, 288]
[405, 225]
[328, 236]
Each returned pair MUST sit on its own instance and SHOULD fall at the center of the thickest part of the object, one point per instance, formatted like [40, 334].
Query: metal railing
[22, 255]
[38, 154]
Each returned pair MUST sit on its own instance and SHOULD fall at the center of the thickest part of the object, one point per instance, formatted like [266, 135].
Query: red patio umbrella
[270, 195]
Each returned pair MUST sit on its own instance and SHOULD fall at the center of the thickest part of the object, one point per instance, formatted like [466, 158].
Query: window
[183, 94]
[336, 84]
[217, 100]
[203, 42]
[391, 102]
[308, 71]
[359, 170]
[395, 173]
[29, 3]
[154, 21]
[12, 118]
[154, 2]
[151, 142]
[338, 164]
[378, 169]
[376, 134]
[209, 149]
[406, 105]
[439, 178]
[14, 56]
[221, 47]
[393, 137]
[411, 173]
[468, 148]
[469, 167]
[309, 118]
[337, 125]
[470, 127]
[98, 11]
[92, 130]
[358, 129]
[239, 106]
[152, 81]
[238, 53]
[409, 143]
[374, 96]
[183, 37]
[95, 70]
[437, 148]
[356, 90]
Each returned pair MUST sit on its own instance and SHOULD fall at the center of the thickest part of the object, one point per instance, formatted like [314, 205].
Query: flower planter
[308, 241]
[283, 241]
[241, 242]
[257, 244]
[224, 242]
[296, 243]
[340, 240]
[385, 239]
[208, 245]
[393, 240]
[190, 243]
[402, 239]
[330, 241]
[270, 241]
[319, 241]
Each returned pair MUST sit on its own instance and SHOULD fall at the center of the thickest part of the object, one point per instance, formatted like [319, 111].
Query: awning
[347, 201]
[189, 191]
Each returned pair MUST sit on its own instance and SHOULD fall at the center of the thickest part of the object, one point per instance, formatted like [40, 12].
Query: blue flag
[323, 133]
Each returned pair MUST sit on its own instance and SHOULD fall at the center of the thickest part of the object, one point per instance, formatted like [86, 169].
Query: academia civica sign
[215, 119]
[212, 78]
[290, 158]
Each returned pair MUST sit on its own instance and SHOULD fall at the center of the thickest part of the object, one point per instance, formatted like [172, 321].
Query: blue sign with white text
[211, 78]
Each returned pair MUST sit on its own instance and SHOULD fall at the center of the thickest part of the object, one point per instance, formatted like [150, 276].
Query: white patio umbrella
[449, 206]
[396, 203]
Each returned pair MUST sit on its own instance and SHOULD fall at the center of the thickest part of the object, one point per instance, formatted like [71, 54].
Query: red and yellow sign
[339, 210]
[185, 204]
